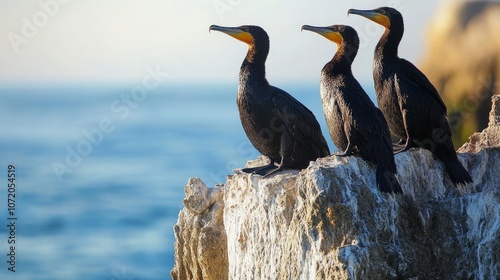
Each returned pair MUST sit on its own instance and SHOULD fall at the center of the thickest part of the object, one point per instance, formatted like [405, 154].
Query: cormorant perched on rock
[411, 104]
[355, 124]
[276, 124]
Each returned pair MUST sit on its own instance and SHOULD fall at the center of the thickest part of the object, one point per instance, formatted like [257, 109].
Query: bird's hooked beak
[379, 16]
[235, 32]
[326, 32]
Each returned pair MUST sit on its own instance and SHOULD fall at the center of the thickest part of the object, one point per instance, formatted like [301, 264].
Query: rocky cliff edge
[330, 221]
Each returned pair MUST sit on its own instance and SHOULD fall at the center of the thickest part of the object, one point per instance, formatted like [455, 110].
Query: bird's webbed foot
[408, 145]
[401, 142]
[272, 171]
[265, 170]
[397, 147]
[346, 153]
[260, 170]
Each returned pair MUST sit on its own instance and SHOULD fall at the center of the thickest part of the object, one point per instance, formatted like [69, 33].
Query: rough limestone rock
[489, 137]
[330, 221]
[201, 249]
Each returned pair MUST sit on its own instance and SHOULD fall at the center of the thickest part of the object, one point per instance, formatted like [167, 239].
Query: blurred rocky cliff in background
[463, 61]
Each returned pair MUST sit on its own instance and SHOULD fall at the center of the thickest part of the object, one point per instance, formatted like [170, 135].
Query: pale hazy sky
[90, 41]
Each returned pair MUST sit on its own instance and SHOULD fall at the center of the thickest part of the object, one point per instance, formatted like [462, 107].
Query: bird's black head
[385, 16]
[250, 34]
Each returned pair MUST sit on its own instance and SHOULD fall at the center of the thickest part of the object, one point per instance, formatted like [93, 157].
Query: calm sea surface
[100, 173]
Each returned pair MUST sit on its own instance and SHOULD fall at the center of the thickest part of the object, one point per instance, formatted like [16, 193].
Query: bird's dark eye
[382, 12]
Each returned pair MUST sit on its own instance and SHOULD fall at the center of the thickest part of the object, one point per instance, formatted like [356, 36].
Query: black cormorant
[355, 124]
[411, 104]
[276, 124]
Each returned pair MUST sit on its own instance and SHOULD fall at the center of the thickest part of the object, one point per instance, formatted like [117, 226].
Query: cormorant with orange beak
[276, 124]
[411, 104]
[355, 124]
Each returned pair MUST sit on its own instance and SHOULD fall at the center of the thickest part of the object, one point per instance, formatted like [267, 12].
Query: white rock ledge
[330, 221]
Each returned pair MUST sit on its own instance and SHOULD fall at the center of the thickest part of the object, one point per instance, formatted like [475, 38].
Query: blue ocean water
[100, 172]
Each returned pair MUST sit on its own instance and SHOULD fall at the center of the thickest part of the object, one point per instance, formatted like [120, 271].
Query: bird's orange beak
[234, 32]
[326, 32]
[373, 15]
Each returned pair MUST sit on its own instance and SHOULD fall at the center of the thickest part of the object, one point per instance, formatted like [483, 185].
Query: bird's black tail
[386, 180]
[456, 171]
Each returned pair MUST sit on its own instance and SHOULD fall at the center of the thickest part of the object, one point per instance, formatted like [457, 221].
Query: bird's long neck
[253, 68]
[341, 61]
[387, 47]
